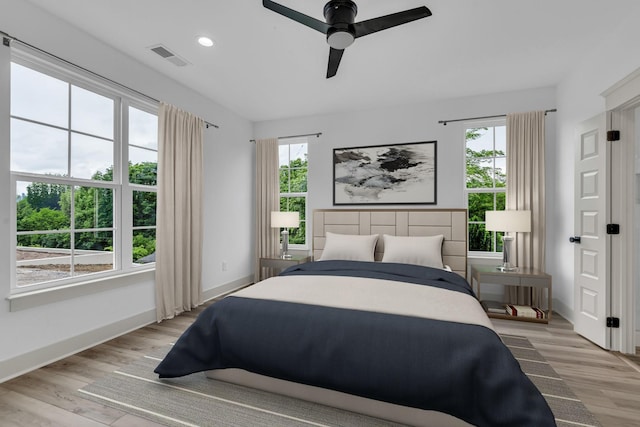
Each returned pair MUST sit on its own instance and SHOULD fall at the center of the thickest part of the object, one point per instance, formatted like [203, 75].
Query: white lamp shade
[285, 219]
[518, 221]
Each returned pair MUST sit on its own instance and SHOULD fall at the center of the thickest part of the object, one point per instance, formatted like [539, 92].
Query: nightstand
[278, 263]
[523, 276]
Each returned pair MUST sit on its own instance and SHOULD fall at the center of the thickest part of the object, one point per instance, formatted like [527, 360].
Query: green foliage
[481, 173]
[293, 179]
[48, 207]
[145, 173]
[144, 243]
[42, 195]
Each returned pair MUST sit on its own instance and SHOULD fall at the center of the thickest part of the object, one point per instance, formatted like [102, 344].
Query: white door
[591, 253]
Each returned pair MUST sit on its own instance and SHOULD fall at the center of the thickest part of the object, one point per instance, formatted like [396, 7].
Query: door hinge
[613, 228]
[613, 322]
[613, 135]
[6, 41]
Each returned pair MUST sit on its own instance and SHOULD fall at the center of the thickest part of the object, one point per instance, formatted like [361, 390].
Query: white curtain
[179, 212]
[526, 191]
[267, 200]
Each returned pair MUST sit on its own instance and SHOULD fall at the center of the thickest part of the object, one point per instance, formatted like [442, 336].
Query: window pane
[480, 239]
[501, 172]
[479, 173]
[94, 252]
[91, 113]
[297, 235]
[297, 152]
[36, 96]
[36, 265]
[38, 149]
[143, 168]
[479, 140]
[101, 241]
[284, 180]
[91, 158]
[144, 246]
[40, 207]
[298, 180]
[501, 201]
[93, 208]
[144, 208]
[283, 151]
[143, 129]
[501, 140]
[478, 204]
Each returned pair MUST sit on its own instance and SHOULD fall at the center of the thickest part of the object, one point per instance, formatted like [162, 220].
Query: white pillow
[419, 250]
[350, 247]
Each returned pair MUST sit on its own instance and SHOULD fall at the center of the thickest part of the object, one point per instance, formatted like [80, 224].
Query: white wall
[34, 336]
[408, 123]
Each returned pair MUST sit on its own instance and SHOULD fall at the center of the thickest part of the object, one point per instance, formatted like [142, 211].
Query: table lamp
[508, 221]
[285, 220]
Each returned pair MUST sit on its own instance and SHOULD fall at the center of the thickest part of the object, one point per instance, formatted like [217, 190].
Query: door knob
[574, 239]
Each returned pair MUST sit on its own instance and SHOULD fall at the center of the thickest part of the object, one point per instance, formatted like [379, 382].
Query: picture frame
[394, 174]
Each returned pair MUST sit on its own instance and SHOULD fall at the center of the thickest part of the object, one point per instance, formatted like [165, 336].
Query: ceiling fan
[340, 29]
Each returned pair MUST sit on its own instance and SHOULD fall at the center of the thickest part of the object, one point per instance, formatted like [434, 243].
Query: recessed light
[205, 41]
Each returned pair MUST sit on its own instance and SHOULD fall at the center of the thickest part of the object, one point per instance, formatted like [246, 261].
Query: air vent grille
[168, 55]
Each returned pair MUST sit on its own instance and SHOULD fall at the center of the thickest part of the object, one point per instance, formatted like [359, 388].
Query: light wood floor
[607, 384]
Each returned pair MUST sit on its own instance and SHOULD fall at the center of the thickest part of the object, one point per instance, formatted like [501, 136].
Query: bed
[382, 323]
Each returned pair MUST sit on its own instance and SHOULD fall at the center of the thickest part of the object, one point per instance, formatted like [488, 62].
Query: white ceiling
[265, 66]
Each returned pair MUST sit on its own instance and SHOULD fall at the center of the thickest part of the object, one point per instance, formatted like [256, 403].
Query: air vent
[168, 55]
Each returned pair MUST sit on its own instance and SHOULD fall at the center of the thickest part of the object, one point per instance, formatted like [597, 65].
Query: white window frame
[492, 123]
[122, 190]
[292, 141]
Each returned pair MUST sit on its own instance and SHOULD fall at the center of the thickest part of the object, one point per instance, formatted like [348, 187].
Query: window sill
[30, 299]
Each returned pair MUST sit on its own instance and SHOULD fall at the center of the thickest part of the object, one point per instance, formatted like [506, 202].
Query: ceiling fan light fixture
[340, 39]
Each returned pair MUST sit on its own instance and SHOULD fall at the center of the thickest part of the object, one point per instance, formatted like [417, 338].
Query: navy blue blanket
[460, 369]
[384, 270]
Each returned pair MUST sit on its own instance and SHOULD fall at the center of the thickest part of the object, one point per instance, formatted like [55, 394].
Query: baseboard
[23, 363]
[563, 310]
[26, 362]
[209, 294]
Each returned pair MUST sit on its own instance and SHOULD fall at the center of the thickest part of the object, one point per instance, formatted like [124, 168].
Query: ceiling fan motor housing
[340, 15]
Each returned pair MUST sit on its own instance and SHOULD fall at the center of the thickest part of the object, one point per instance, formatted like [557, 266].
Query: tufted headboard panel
[452, 223]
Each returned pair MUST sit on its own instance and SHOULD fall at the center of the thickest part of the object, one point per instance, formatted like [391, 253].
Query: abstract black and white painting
[385, 174]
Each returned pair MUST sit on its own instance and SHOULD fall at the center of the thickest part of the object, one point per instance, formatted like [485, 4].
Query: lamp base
[506, 268]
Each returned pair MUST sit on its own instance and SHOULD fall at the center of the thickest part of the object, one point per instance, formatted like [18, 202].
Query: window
[486, 177]
[78, 211]
[293, 186]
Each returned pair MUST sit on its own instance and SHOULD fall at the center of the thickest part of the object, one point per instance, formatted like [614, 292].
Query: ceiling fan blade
[388, 21]
[316, 24]
[335, 55]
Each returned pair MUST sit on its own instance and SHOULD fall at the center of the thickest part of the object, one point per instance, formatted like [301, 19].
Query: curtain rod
[317, 135]
[6, 40]
[444, 122]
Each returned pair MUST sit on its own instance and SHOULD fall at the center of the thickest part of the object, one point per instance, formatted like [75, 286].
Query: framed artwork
[396, 174]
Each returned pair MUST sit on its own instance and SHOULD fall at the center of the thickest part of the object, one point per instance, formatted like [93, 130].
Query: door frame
[621, 101]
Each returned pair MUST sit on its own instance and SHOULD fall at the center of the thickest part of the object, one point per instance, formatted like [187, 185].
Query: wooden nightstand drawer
[535, 282]
[501, 279]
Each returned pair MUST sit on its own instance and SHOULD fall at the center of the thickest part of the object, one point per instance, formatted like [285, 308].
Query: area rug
[195, 400]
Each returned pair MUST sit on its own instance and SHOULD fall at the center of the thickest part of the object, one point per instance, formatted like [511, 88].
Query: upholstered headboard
[452, 223]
